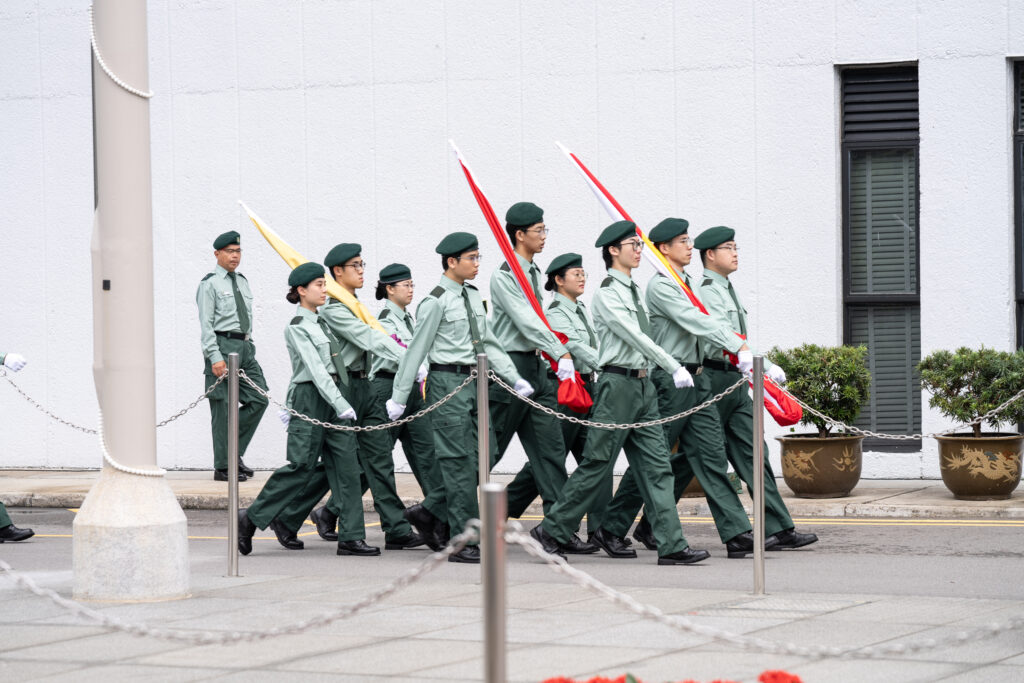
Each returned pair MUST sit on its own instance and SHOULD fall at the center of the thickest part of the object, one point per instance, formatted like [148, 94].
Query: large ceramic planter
[814, 467]
[980, 468]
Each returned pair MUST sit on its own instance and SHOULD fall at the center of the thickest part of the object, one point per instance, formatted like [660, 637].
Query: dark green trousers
[251, 407]
[701, 453]
[736, 412]
[622, 400]
[373, 450]
[5, 519]
[523, 489]
[539, 433]
[307, 445]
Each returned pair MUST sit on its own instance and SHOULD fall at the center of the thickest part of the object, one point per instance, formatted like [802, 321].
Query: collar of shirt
[220, 271]
[527, 265]
[451, 285]
[563, 300]
[396, 309]
[717, 278]
[305, 313]
[623, 279]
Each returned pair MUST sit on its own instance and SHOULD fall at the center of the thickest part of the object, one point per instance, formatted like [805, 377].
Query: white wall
[330, 119]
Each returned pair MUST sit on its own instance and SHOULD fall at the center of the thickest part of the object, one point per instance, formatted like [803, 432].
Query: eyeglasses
[236, 250]
[578, 273]
[473, 259]
[358, 265]
[729, 247]
[685, 240]
[540, 231]
[408, 284]
[636, 245]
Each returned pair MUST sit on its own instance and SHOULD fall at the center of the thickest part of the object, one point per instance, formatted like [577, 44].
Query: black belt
[233, 335]
[692, 368]
[720, 365]
[357, 374]
[616, 370]
[385, 374]
[588, 377]
[523, 353]
[457, 369]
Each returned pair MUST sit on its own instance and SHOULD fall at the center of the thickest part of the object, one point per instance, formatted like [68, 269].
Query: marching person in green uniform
[720, 256]
[625, 394]
[8, 532]
[568, 315]
[225, 322]
[679, 328]
[315, 391]
[359, 342]
[451, 330]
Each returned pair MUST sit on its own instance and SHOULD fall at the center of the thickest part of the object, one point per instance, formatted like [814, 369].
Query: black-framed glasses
[358, 265]
[728, 247]
[636, 245]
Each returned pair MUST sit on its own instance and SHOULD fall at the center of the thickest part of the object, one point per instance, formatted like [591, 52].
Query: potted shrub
[966, 384]
[834, 380]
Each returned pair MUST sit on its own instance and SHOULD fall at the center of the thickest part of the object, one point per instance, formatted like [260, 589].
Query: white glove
[395, 410]
[746, 361]
[15, 361]
[523, 388]
[284, 416]
[421, 374]
[349, 414]
[566, 369]
[776, 374]
[682, 378]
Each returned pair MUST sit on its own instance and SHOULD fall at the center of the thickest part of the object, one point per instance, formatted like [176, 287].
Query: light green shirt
[564, 316]
[517, 326]
[357, 338]
[617, 325]
[443, 336]
[679, 327]
[398, 322]
[714, 292]
[217, 311]
[310, 353]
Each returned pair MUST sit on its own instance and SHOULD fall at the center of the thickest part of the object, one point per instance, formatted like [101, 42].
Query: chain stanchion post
[758, 381]
[483, 422]
[232, 464]
[492, 547]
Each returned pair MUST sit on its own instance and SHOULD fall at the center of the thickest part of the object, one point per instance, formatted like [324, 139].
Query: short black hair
[607, 255]
[334, 270]
[513, 229]
[704, 257]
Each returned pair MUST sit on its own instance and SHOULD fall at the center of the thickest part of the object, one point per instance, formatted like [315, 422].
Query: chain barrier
[194, 403]
[429, 564]
[103, 65]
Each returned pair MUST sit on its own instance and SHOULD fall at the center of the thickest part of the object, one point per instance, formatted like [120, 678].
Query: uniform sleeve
[206, 300]
[299, 339]
[352, 329]
[609, 306]
[506, 293]
[664, 299]
[581, 351]
[428, 317]
[714, 301]
[498, 359]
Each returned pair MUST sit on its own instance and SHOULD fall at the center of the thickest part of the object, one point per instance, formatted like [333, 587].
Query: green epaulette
[707, 281]
[208, 276]
[504, 266]
[471, 286]
[436, 292]
[553, 304]
[296, 320]
[383, 314]
[608, 281]
[241, 276]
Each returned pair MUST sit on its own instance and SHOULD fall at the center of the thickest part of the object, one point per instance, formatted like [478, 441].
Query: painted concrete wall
[330, 119]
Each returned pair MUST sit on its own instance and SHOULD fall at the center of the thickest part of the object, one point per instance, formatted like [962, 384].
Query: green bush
[832, 379]
[967, 383]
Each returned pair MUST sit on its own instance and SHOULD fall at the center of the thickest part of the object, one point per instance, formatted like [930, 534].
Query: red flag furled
[570, 391]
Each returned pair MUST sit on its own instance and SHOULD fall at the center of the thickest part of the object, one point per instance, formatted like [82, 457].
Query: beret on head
[712, 237]
[456, 243]
[524, 213]
[668, 229]
[224, 239]
[303, 274]
[341, 253]
[395, 272]
[616, 232]
[564, 262]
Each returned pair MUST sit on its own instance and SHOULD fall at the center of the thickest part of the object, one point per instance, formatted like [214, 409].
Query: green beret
[565, 261]
[615, 233]
[396, 272]
[668, 229]
[341, 253]
[230, 237]
[302, 275]
[456, 243]
[712, 237]
[524, 213]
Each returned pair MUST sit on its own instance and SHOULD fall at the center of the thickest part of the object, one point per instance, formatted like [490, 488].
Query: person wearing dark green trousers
[678, 327]
[8, 532]
[625, 394]
[451, 330]
[568, 315]
[225, 322]
[315, 390]
[720, 256]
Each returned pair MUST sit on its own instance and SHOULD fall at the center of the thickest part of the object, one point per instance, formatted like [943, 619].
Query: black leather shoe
[326, 523]
[357, 547]
[742, 545]
[576, 546]
[547, 541]
[789, 539]
[411, 540]
[444, 534]
[222, 475]
[644, 535]
[12, 534]
[426, 524]
[468, 555]
[612, 545]
[685, 556]
[246, 529]
[245, 469]
[286, 537]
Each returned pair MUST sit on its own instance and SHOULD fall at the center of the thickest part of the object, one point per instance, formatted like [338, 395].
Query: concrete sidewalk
[196, 490]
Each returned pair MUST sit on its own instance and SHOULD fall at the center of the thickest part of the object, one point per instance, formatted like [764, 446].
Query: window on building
[881, 290]
[1018, 191]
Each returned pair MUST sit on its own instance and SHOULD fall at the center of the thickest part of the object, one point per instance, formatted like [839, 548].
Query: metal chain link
[515, 534]
[369, 428]
[103, 64]
[606, 425]
[194, 403]
[209, 638]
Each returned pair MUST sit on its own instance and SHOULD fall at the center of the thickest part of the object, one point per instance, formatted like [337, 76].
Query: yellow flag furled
[294, 258]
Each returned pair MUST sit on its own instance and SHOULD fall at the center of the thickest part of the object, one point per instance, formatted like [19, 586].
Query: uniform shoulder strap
[296, 320]
[607, 282]
[208, 276]
[436, 292]
[505, 267]
[707, 281]
[240, 275]
[469, 286]
[554, 304]
[383, 314]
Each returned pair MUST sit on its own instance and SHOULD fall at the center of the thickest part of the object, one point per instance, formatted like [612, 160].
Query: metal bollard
[758, 381]
[492, 556]
[232, 464]
[483, 422]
